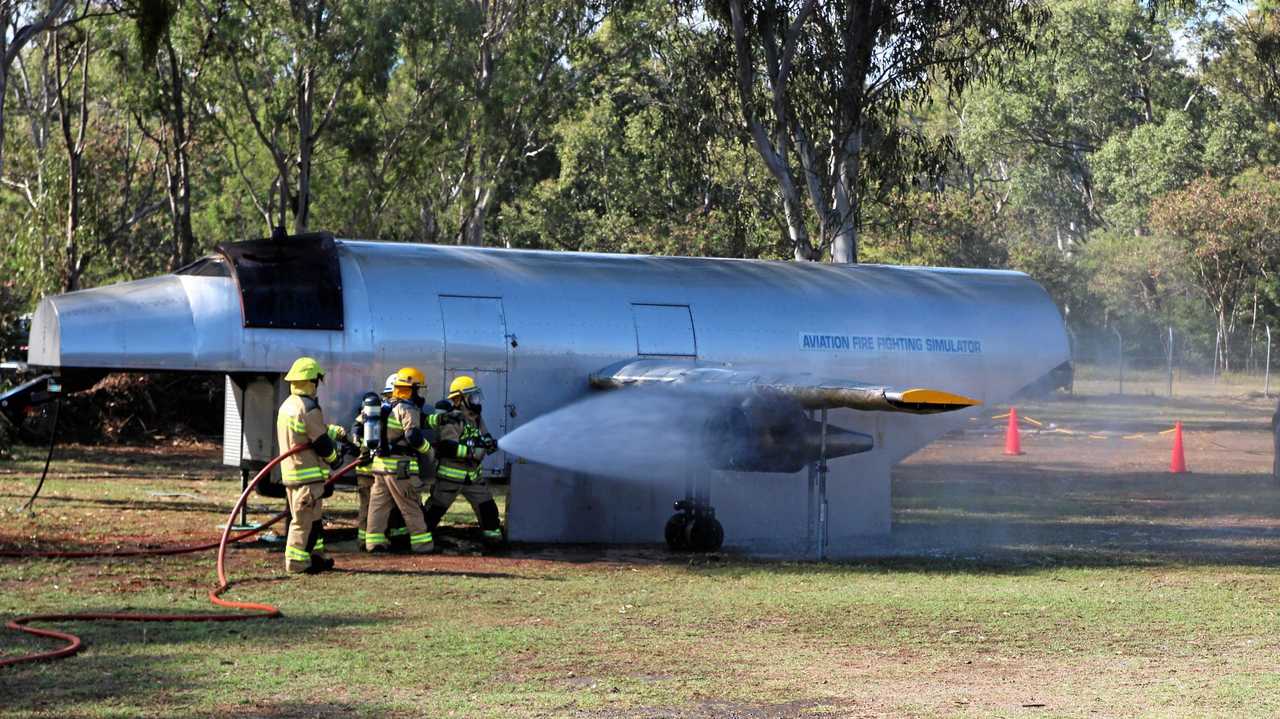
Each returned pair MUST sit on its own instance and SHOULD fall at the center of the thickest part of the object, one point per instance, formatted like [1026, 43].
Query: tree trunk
[283, 171]
[844, 245]
[180, 173]
[4, 95]
[844, 248]
[1225, 346]
[472, 231]
[306, 150]
[73, 260]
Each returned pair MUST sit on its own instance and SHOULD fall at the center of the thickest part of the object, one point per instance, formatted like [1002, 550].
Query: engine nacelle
[765, 433]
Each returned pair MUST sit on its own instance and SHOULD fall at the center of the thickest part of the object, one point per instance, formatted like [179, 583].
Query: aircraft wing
[809, 391]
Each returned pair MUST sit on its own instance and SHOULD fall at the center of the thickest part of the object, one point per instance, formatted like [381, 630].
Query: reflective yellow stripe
[334, 432]
[375, 538]
[301, 555]
[461, 475]
[295, 425]
[360, 535]
[425, 447]
[319, 545]
[462, 451]
[296, 475]
[424, 538]
[393, 423]
[493, 533]
[387, 464]
[398, 532]
[331, 456]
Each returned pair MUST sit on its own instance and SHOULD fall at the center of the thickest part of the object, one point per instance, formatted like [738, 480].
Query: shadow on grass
[211, 507]
[138, 660]
[294, 710]
[433, 572]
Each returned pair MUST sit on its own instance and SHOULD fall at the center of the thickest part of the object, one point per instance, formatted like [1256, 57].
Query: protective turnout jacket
[406, 439]
[458, 461]
[301, 422]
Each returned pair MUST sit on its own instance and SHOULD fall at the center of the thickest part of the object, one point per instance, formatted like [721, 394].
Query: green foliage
[1113, 151]
[1133, 167]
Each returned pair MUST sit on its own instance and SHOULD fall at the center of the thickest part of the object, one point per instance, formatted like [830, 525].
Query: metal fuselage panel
[570, 314]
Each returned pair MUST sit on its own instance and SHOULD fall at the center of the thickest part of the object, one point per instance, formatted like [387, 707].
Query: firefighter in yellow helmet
[460, 450]
[301, 422]
[396, 465]
[372, 409]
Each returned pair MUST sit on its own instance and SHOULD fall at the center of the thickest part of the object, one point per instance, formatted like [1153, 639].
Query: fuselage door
[476, 344]
[664, 330]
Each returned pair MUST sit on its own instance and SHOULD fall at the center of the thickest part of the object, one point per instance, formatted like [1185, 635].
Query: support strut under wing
[809, 392]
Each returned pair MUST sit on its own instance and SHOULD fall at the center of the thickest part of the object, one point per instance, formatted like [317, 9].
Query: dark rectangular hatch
[288, 283]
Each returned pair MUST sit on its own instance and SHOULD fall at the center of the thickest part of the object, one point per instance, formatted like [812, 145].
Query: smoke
[631, 434]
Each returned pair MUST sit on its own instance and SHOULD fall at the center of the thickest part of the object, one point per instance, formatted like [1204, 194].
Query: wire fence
[1174, 363]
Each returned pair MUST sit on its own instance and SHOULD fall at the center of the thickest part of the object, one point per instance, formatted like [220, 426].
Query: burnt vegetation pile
[135, 409]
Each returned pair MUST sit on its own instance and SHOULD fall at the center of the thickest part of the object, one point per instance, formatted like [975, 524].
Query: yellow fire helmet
[409, 377]
[465, 386]
[305, 369]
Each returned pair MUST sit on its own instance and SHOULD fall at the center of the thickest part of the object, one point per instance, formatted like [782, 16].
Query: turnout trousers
[390, 491]
[306, 505]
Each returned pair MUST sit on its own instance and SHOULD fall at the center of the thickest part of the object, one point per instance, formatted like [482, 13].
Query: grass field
[1077, 580]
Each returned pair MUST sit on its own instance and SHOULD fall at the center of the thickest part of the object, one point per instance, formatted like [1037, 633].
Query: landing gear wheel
[705, 534]
[675, 532]
[694, 528]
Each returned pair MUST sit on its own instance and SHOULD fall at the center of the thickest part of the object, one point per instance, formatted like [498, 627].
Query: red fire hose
[250, 610]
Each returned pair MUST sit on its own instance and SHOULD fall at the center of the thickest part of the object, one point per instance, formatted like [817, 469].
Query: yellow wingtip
[921, 395]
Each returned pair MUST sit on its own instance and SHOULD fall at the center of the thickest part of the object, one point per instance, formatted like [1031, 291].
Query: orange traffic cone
[1178, 460]
[1012, 441]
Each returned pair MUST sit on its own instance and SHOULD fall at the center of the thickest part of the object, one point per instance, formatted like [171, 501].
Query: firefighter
[459, 452]
[396, 465]
[364, 470]
[301, 422]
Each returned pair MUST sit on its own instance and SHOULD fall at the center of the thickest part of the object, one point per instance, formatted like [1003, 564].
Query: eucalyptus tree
[21, 21]
[820, 87]
[285, 70]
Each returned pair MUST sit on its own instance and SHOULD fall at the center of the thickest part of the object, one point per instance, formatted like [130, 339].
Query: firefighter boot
[397, 532]
[315, 546]
[490, 523]
[433, 513]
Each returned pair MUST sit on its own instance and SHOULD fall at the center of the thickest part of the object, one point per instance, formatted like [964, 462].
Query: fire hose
[248, 610]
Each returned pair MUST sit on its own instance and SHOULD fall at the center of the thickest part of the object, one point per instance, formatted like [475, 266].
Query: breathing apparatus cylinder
[371, 405]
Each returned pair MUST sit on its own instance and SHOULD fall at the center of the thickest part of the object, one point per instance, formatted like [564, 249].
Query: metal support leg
[822, 491]
[244, 508]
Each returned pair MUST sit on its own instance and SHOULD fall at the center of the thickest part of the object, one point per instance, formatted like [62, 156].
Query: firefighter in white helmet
[396, 464]
[460, 450]
[301, 422]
